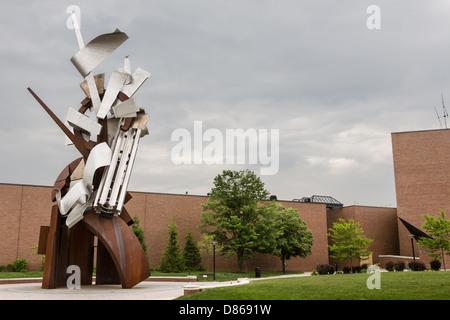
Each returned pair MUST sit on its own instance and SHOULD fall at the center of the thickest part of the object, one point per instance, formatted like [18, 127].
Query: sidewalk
[145, 290]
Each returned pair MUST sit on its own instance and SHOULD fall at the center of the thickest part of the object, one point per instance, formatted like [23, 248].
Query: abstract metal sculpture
[91, 191]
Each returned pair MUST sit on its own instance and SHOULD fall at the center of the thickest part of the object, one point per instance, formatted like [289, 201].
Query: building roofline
[414, 131]
[191, 195]
[23, 185]
[367, 206]
[171, 194]
[131, 191]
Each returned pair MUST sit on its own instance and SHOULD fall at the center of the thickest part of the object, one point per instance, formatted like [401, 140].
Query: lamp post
[412, 245]
[443, 257]
[283, 265]
[214, 242]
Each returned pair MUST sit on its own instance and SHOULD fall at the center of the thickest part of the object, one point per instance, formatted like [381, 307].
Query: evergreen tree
[172, 260]
[139, 232]
[191, 254]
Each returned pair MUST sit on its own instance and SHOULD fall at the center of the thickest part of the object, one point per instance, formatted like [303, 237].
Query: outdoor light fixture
[214, 242]
[412, 245]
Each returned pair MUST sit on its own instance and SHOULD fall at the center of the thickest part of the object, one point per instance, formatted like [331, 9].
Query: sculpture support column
[51, 251]
[122, 245]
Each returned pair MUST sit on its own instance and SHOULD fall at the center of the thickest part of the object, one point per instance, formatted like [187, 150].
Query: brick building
[25, 208]
[422, 181]
[422, 186]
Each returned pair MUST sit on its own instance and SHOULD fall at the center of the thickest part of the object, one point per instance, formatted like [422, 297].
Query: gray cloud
[311, 69]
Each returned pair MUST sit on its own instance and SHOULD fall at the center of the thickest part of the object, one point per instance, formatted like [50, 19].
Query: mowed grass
[13, 275]
[201, 276]
[231, 276]
[394, 286]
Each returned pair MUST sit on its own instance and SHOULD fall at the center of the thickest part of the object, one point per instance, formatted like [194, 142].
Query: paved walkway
[146, 290]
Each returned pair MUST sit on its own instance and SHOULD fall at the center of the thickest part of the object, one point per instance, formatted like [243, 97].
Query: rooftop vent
[330, 202]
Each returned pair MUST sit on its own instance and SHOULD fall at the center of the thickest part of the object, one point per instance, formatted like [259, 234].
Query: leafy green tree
[348, 241]
[172, 260]
[191, 254]
[231, 214]
[290, 235]
[438, 228]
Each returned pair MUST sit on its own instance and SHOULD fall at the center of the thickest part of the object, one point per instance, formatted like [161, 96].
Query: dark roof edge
[131, 191]
[368, 206]
[413, 131]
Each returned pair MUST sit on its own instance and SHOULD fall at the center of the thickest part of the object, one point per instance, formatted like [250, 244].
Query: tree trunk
[443, 257]
[239, 256]
[240, 264]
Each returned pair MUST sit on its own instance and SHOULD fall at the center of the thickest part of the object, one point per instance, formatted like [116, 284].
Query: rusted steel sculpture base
[122, 246]
[65, 246]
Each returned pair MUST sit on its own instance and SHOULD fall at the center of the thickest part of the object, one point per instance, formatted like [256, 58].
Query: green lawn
[220, 275]
[14, 275]
[394, 286]
[201, 276]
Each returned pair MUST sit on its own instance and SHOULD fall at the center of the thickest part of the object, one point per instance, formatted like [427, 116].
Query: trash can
[257, 272]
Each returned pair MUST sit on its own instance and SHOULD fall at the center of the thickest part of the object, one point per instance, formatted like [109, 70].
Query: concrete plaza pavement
[146, 290]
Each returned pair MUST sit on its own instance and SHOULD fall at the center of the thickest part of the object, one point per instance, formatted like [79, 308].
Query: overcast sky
[335, 89]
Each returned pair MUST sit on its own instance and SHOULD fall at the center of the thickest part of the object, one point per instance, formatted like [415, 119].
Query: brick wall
[422, 180]
[23, 209]
[378, 223]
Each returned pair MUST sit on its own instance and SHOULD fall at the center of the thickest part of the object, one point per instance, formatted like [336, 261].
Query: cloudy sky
[334, 89]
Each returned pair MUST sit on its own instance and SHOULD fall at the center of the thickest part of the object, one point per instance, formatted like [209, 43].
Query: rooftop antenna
[444, 111]
[439, 118]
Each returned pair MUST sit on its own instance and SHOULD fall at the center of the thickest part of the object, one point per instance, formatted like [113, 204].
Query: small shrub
[314, 272]
[331, 270]
[346, 270]
[399, 266]
[435, 265]
[324, 269]
[416, 266]
[20, 265]
[356, 269]
[389, 266]
[10, 268]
